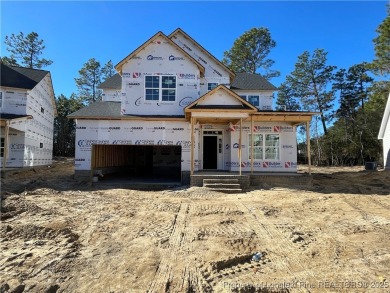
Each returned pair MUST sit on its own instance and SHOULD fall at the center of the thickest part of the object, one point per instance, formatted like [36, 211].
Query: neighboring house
[170, 94]
[384, 134]
[27, 111]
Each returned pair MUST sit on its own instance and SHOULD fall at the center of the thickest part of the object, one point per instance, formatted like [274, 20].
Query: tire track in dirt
[375, 219]
[284, 256]
[166, 276]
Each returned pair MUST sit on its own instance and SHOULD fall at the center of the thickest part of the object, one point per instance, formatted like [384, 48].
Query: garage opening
[134, 162]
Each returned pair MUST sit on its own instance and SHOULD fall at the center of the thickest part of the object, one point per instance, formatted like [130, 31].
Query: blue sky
[73, 32]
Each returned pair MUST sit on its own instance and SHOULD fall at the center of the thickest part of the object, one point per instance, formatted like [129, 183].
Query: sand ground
[58, 235]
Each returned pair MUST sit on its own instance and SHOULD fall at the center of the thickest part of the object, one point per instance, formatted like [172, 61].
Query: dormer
[255, 89]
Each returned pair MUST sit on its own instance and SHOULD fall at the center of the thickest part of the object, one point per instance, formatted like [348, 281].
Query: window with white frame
[254, 100]
[211, 85]
[265, 146]
[2, 141]
[160, 88]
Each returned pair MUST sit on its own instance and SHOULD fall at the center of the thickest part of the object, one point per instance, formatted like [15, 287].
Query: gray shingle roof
[110, 110]
[113, 82]
[99, 109]
[20, 77]
[7, 116]
[250, 81]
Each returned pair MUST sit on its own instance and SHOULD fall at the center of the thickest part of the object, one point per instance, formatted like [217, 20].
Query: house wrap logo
[138, 101]
[137, 75]
[90, 142]
[186, 76]
[17, 146]
[185, 101]
[290, 164]
[165, 142]
[262, 128]
[122, 141]
[144, 142]
[151, 57]
[272, 165]
[173, 58]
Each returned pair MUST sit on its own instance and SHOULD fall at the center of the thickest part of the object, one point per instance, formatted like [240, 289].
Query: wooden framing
[252, 144]
[308, 145]
[192, 146]
[240, 147]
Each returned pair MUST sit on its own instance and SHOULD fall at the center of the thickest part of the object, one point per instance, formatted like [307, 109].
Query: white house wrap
[173, 109]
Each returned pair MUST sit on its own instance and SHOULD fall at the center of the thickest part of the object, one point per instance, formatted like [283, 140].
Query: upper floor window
[254, 100]
[211, 85]
[160, 88]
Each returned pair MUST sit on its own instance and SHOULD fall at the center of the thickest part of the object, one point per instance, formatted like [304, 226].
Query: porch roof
[4, 117]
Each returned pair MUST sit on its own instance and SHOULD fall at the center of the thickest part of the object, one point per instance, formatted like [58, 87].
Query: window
[2, 147]
[41, 145]
[265, 147]
[272, 147]
[257, 146]
[42, 110]
[160, 88]
[211, 86]
[243, 97]
[254, 100]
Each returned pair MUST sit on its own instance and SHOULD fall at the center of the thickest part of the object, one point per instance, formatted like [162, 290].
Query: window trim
[160, 89]
[264, 146]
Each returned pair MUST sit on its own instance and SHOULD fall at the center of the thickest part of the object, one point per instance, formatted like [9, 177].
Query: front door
[212, 150]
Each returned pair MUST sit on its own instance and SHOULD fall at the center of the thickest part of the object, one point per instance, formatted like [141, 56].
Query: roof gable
[20, 77]
[221, 98]
[180, 31]
[119, 66]
[385, 120]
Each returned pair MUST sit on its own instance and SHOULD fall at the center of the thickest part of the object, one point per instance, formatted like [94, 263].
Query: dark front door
[209, 152]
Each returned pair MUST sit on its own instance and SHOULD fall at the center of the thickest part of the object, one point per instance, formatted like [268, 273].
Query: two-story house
[174, 110]
[27, 111]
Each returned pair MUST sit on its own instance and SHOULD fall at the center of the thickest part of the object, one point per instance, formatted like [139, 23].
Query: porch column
[251, 144]
[239, 145]
[308, 145]
[192, 146]
[5, 155]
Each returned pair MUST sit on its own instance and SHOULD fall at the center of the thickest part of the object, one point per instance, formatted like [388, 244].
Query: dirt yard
[58, 235]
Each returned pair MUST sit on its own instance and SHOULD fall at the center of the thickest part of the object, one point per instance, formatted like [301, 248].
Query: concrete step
[222, 185]
[233, 180]
[227, 190]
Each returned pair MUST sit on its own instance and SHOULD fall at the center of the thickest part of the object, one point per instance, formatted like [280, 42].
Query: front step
[223, 185]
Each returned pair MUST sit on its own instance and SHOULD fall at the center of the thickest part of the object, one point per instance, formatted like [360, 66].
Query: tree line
[350, 101]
